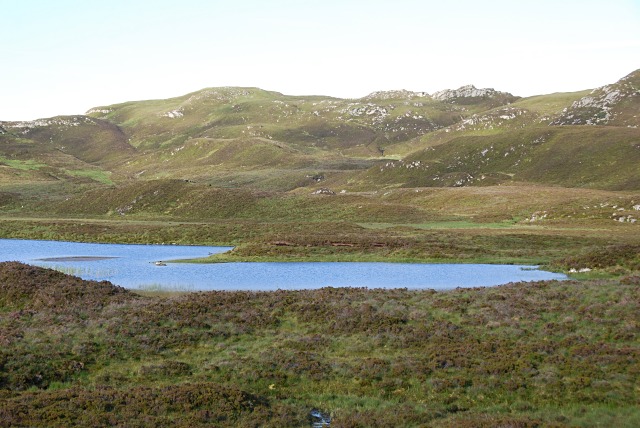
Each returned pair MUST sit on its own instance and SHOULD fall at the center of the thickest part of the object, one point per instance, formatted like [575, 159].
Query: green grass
[23, 165]
[552, 104]
[456, 224]
[99, 176]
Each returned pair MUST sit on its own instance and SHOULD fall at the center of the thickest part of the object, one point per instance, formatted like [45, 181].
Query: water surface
[135, 267]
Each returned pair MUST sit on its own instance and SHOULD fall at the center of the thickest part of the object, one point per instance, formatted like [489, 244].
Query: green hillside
[75, 149]
[309, 123]
[570, 156]
[90, 140]
[248, 137]
[174, 158]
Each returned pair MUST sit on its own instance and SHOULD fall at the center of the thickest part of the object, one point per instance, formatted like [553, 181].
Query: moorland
[466, 175]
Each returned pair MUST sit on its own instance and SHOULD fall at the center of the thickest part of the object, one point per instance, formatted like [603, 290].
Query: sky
[61, 57]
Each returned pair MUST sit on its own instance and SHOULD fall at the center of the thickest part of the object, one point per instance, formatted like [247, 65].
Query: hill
[77, 149]
[264, 141]
[308, 123]
[243, 130]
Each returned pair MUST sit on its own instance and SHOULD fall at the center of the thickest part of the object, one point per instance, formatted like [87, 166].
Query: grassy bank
[542, 354]
[341, 241]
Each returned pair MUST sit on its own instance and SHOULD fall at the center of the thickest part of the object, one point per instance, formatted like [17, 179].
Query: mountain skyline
[65, 57]
[464, 91]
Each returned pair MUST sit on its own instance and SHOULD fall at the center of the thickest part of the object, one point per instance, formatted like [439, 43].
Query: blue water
[133, 266]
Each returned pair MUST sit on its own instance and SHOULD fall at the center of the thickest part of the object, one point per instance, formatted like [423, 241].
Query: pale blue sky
[66, 56]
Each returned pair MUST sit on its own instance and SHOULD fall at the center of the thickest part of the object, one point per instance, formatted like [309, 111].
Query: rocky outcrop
[24, 127]
[468, 91]
[323, 191]
[615, 104]
[394, 95]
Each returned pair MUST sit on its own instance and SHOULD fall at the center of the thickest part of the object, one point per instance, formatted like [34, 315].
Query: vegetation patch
[85, 353]
[24, 165]
[99, 176]
[614, 258]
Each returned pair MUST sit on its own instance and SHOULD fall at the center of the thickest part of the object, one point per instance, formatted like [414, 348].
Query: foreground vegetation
[543, 354]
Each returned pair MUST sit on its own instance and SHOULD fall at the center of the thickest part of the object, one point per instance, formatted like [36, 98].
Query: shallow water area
[145, 267]
[76, 259]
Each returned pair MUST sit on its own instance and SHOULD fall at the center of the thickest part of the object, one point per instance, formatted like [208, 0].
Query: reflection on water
[134, 266]
[81, 271]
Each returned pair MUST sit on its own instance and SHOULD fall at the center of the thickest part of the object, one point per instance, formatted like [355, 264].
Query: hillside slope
[362, 126]
[251, 138]
[550, 139]
[617, 104]
[88, 139]
[75, 149]
[570, 156]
